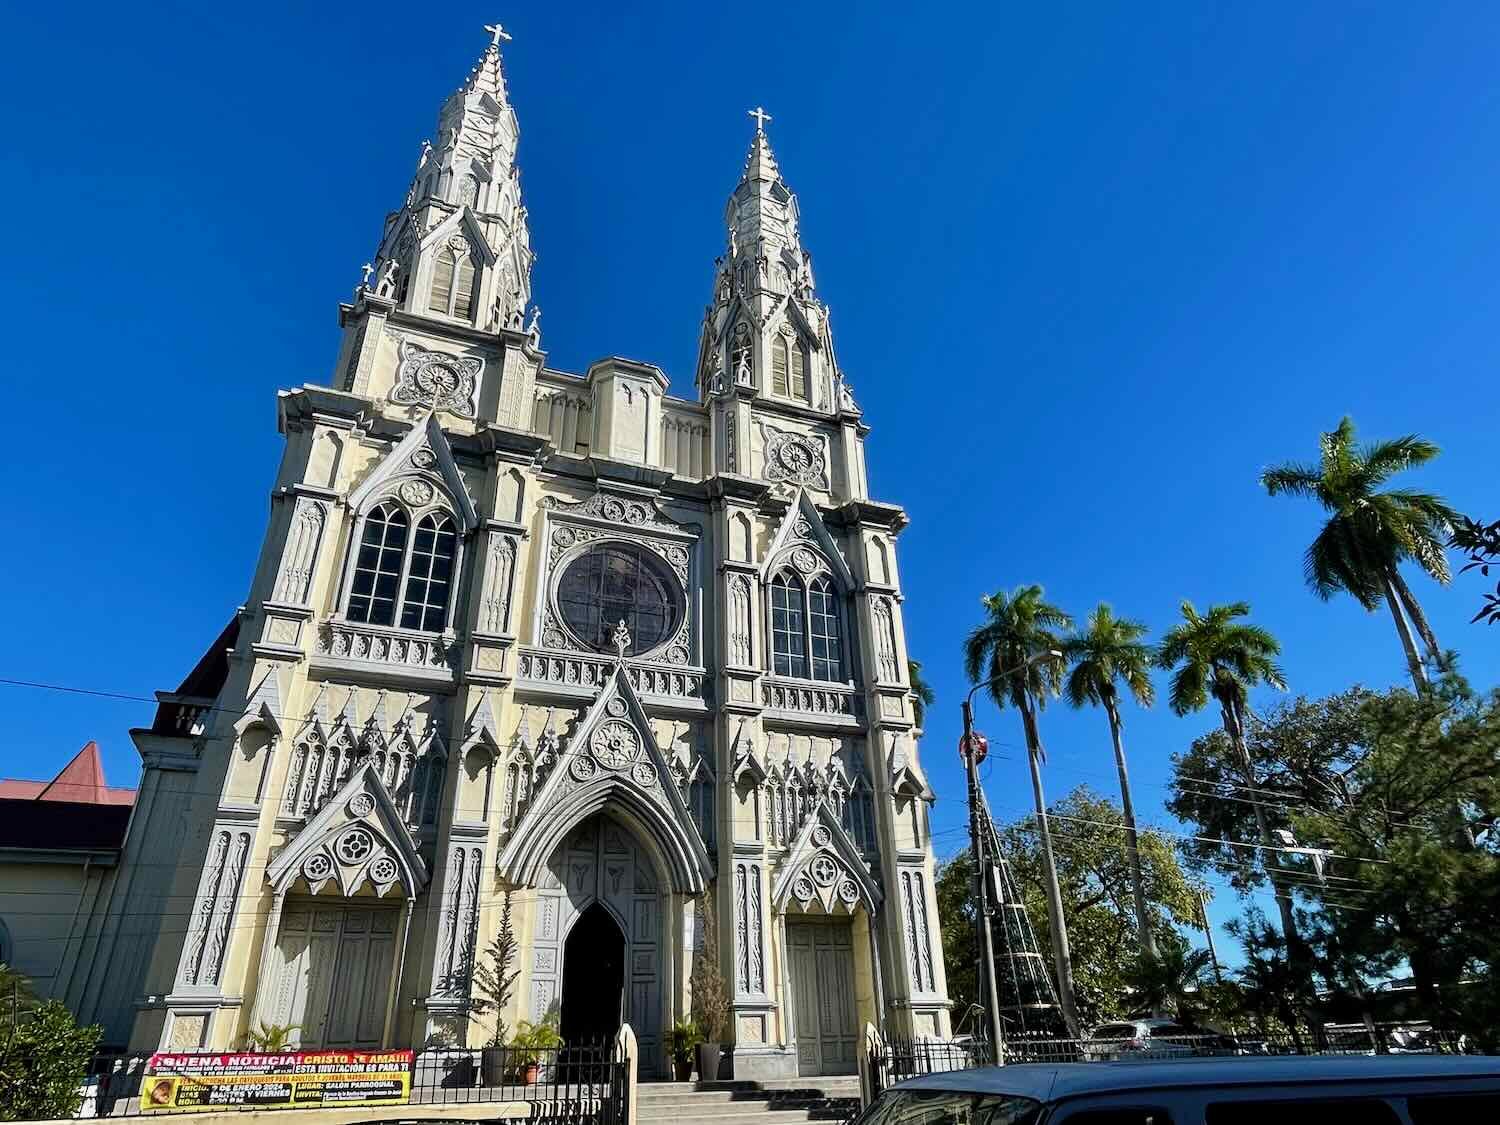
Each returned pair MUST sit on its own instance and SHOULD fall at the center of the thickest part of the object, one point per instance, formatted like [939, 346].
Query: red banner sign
[179, 1082]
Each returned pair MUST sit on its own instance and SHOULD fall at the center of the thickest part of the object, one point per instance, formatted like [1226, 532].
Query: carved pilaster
[299, 555]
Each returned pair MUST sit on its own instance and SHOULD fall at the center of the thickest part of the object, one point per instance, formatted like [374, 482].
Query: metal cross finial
[761, 117]
[621, 638]
[497, 33]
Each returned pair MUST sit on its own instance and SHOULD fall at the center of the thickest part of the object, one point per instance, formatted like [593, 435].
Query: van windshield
[950, 1107]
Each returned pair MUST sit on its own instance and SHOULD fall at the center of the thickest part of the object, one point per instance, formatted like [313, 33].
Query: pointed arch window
[788, 642]
[430, 575]
[824, 631]
[807, 628]
[453, 280]
[788, 367]
[779, 352]
[377, 568]
[799, 371]
[400, 576]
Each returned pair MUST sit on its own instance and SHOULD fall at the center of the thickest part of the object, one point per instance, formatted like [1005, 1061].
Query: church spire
[765, 330]
[459, 248]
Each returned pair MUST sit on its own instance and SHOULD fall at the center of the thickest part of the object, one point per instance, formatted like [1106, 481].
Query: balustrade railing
[575, 670]
[812, 699]
[346, 640]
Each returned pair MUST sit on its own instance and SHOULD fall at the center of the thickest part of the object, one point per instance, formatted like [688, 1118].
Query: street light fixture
[972, 749]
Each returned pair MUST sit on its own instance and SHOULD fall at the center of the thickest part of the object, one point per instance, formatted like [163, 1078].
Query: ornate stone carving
[642, 515]
[417, 493]
[795, 457]
[805, 560]
[499, 573]
[740, 644]
[615, 745]
[885, 638]
[361, 806]
[446, 382]
[299, 556]
[354, 846]
[218, 901]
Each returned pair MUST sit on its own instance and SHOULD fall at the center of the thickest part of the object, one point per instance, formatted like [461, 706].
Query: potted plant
[270, 1038]
[494, 980]
[530, 1040]
[682, 1039]
[710, 996]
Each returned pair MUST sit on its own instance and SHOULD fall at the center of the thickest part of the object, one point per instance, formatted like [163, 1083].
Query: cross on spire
[761, 117]
[497, 33]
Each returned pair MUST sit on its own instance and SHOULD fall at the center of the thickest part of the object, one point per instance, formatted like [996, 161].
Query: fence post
[628, 1052]
[867, 1053]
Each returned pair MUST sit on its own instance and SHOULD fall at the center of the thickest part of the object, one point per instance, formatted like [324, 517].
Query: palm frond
[1384, 459]
[1292, 479]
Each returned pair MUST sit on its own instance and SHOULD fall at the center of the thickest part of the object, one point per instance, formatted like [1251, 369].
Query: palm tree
[1370, 532]
[1106, 653]
[1213, 655]
[922, 696]
[1012, 651]
[1162, 982]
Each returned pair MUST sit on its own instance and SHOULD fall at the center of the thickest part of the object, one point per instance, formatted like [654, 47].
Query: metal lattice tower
[1028, 999]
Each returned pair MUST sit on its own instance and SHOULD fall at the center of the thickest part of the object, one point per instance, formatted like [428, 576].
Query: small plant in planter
[531, 1039]
[682, 1039]
[710, 996]
[270, 1038]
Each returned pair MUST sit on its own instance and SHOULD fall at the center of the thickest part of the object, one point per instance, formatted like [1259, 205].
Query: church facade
[633, 663]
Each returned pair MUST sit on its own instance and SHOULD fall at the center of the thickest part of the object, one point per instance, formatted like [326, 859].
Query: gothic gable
[357, 844]
[461, 222]
[824, 872]
[802, 528]
[421, 460]
[610, 762]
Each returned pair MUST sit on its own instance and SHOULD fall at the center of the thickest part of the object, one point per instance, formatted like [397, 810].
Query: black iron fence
[580, 1084]
[892, 1060]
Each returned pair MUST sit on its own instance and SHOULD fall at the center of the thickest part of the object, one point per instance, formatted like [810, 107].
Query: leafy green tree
[1167, 981]
[43, 1062]
[1480, 541]
[922, 695]
[1370, 532]
[1095, 880]
[1216, 656]
[1105, 654]
[1271, 992]
[1300, 751]
[1018, 650]
[1403, 884]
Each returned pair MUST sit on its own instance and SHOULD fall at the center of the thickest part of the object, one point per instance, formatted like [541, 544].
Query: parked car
[1415, 1089]
[1140, 1040]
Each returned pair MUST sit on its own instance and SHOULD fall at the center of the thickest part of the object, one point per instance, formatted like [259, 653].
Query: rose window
[616, 582]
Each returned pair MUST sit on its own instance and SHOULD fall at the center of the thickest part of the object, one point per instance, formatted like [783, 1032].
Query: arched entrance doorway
[601, 910]
[593, 978]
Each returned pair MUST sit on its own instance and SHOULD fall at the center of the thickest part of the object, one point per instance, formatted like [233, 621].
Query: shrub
[43, 1064]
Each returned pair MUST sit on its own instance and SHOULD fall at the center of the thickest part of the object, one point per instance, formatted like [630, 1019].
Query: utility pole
[1208, 932]
[972, 748]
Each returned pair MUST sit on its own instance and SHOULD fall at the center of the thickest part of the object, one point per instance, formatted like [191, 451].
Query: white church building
[561, 636]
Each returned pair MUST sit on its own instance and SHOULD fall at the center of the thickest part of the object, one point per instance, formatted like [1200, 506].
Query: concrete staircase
[780, 1101]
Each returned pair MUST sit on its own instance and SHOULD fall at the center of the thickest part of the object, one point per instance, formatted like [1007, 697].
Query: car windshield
[950, 1107]
[1115, 1031]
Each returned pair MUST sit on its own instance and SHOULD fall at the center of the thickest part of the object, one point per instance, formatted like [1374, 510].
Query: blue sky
[1091, 268]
